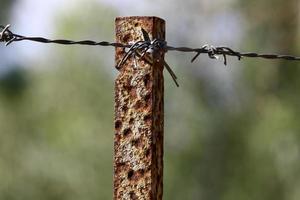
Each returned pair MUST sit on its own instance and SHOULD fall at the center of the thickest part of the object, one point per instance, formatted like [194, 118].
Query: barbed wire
[141, 48]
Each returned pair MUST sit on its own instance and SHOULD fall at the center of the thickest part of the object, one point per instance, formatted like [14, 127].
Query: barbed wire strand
[141, 48]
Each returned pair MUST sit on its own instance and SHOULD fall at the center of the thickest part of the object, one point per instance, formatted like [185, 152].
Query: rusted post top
[138, 141]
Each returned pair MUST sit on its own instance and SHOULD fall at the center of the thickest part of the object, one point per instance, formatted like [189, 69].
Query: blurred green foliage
[56, 117]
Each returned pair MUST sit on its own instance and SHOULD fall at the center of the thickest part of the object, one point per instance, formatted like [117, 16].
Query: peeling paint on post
[139, 112]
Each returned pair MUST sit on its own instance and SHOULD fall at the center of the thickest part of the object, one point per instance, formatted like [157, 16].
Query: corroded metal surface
[138, 142]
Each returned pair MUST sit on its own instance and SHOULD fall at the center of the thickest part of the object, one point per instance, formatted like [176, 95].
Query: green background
[230, 132]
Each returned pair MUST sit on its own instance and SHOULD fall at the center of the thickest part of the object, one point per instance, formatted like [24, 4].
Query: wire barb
[6, 35]
[140, 49]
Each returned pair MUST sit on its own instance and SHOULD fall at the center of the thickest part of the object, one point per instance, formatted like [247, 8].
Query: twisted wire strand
[9, 37]
[141, 48]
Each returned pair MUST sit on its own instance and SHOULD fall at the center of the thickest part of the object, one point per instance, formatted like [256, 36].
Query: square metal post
[139, 115]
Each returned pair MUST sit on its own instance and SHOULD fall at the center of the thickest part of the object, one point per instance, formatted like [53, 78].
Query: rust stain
[138, 141]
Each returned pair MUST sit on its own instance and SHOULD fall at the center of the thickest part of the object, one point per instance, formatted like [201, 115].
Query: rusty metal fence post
[139, 93]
